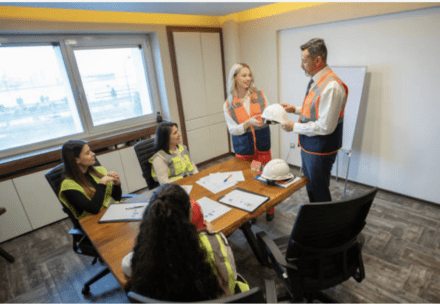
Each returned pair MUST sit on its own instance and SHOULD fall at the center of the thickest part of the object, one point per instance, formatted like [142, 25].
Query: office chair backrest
[324, 225]
[253, 295]
[144, 151]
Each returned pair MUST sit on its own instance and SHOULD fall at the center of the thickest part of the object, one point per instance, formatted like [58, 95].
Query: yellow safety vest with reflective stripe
[70, 184]
[219, 255]
[177, 167]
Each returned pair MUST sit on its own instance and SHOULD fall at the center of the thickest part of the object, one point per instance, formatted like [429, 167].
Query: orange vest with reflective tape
[255, 138]
[321, 144]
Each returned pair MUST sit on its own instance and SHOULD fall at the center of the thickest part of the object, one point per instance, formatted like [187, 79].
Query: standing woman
[243, 108]
[171, 161]
[86, 189]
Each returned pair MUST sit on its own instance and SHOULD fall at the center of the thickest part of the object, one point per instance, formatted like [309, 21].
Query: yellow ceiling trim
[73, 15]
[267, 10]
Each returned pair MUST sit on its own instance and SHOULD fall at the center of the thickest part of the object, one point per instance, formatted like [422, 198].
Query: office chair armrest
[271, 291]
[128, 195]
[75, 231]
[272, 250]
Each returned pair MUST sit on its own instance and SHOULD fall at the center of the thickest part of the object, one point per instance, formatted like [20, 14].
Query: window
[53, 88]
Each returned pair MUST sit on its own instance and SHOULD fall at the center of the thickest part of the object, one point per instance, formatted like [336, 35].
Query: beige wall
[395, 147]
[158, 39]
[258, 40]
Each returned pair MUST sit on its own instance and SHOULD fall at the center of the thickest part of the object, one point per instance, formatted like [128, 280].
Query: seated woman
[171, 261]
[171, 161]
[86, 189]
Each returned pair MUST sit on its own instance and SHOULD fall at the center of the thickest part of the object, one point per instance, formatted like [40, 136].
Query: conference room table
[114, 241]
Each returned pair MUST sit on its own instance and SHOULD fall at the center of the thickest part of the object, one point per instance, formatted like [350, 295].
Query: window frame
[70, 42]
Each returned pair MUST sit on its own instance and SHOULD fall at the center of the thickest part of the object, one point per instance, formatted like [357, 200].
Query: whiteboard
[354, 78]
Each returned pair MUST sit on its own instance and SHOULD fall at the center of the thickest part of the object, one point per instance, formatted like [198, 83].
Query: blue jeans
[318, 169]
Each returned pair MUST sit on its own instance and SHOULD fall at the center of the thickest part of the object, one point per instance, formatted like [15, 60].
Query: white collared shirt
[332, 102]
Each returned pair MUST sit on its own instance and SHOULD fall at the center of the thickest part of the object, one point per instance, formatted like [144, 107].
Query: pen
[134, 207]
[226, 179]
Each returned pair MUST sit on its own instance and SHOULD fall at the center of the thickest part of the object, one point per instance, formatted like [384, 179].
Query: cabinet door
[40, 202]
[112, 162]
[15, 221]
[132, 170]
[200, 71]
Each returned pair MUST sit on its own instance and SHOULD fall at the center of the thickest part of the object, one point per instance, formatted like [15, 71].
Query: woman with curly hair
[86, 189]
[172, 261]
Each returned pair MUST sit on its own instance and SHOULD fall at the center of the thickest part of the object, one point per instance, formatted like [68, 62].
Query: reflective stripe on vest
[217, 257]
[70, 184]
[176, 165]
[310, 108]
[237, 112]
[321, 144]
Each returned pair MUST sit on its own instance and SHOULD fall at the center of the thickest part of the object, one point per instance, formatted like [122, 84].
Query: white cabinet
[125, 163]
[132, 170]
[38, 199]
[112, 162]
[15, 221]
[200, 70]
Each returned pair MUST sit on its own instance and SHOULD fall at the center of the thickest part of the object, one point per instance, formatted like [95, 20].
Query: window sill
[39, 160]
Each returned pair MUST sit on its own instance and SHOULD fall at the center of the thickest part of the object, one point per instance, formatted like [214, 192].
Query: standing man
[320, 124]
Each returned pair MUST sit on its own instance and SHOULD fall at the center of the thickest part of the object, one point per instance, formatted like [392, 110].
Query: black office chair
[144, 151]
[81, 243]
[253, 295]
[324, 248]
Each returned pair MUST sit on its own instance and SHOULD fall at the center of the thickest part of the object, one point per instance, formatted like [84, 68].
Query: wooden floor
[401, 256]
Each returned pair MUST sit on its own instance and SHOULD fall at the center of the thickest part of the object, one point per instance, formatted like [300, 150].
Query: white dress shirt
[332, 102]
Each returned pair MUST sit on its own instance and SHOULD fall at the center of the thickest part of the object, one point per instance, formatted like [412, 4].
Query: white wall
[396, 144]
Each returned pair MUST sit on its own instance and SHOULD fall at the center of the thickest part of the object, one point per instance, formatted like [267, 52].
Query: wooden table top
[115, 240]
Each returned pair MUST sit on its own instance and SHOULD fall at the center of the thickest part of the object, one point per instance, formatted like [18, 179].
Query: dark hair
[316, 47]
[168, 262]
[69, 152]
[163, 133]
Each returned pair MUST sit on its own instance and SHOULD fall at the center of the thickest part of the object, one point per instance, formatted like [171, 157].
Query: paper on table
[243, 199]
[215, 185]
[123, 212]
[211, 209]
[187, 188]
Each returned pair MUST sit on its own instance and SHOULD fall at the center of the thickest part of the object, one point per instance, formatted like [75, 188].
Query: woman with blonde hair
[242, 109]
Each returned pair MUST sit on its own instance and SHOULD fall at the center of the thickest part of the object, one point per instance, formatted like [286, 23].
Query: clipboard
[243, 199]
[123, 212]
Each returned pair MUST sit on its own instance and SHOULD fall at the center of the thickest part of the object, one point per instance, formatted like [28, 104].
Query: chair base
[86, 288]
[7, 256]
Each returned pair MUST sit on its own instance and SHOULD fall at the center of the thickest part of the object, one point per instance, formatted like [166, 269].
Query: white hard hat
[274, 113]
[276, 169]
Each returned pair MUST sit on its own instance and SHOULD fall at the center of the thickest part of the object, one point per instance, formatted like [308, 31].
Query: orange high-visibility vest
[255, 138]
[321, 144]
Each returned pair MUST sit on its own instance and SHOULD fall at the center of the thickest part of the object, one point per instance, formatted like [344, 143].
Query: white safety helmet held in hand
[277, 169]
[274, 113]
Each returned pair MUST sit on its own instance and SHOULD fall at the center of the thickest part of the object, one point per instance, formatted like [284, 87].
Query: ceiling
[185, 8]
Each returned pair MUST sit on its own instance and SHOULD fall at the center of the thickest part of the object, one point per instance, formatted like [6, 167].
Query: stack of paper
[211, 209]
[216, 182]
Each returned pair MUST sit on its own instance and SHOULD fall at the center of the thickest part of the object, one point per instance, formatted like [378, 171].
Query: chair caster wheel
[85, 290]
